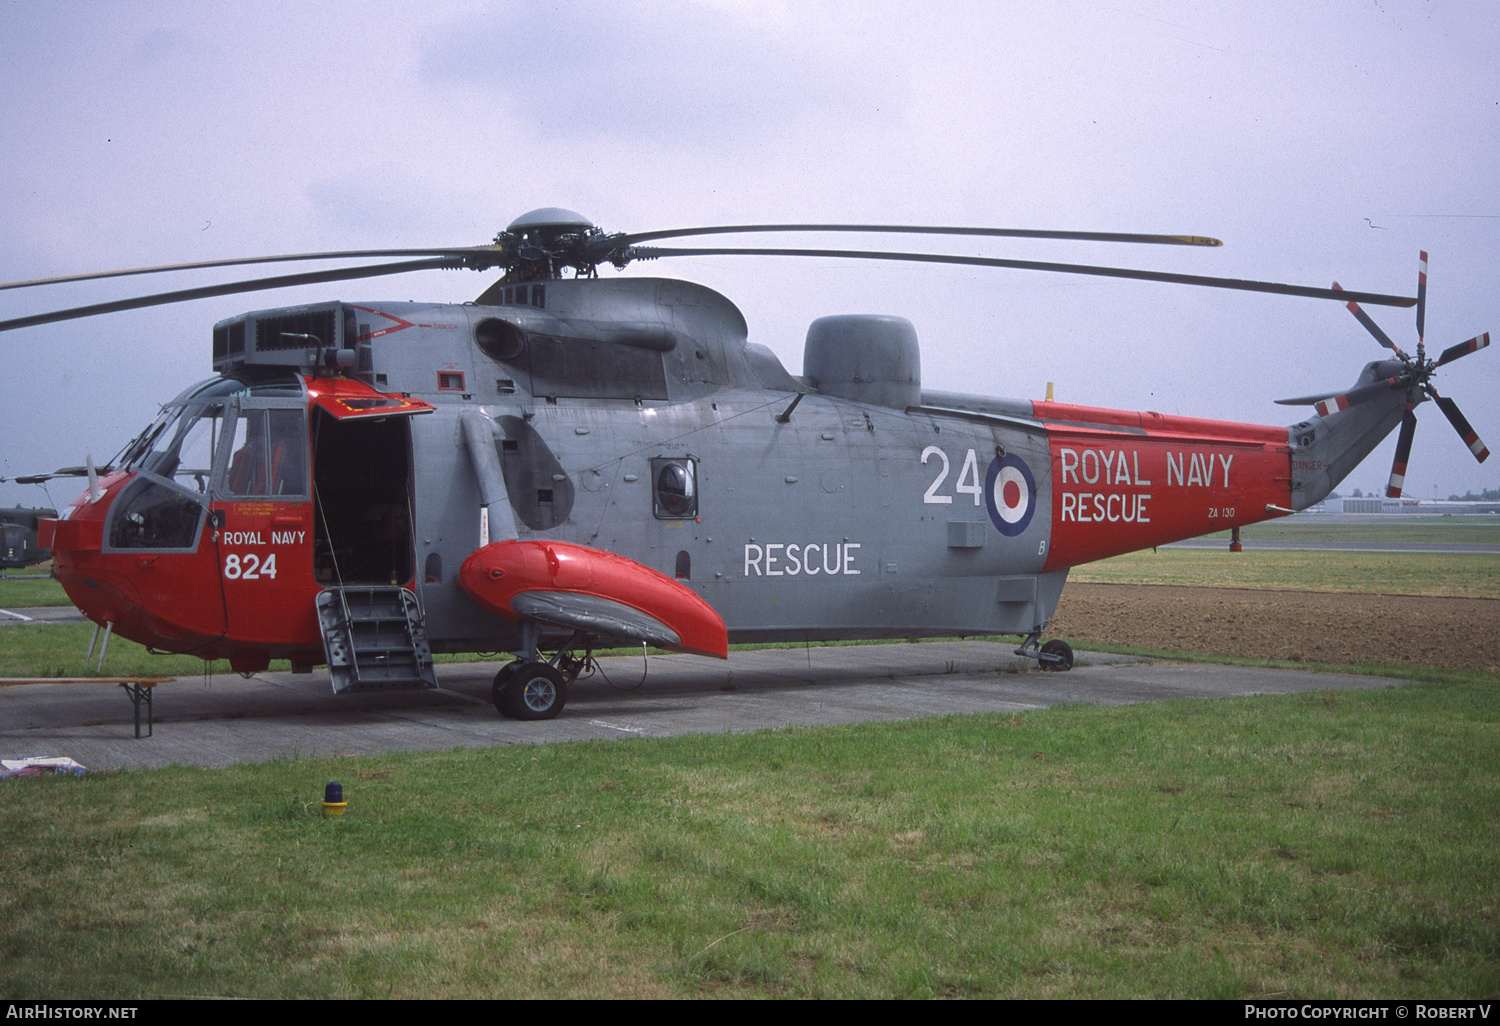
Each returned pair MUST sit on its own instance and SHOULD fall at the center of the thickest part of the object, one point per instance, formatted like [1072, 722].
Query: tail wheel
[530, 691]
[1057, 655]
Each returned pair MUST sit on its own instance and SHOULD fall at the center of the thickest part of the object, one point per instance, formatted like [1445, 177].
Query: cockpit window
[181, 443]
[149, 515]
[184, 452]
[268, 454]
[164, 507]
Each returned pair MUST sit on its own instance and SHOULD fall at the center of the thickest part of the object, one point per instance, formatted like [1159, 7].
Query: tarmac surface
[226, 720]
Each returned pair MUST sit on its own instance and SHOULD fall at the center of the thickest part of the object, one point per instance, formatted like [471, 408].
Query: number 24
[968, 477]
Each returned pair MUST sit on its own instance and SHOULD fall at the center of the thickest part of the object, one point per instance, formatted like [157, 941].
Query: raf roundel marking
[1010, 494]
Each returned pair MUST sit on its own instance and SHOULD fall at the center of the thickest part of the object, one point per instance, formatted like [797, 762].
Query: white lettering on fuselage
[1101, 466]
[254, 566]
[795, 559]
[1197, 468]
[1113, 507]
[1110, 468]
[254, 538]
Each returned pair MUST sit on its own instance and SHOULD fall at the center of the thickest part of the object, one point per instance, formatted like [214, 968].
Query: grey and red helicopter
[574, 461]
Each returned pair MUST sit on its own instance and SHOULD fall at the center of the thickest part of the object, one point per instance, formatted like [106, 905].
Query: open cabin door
[363, 553]
[362, 483]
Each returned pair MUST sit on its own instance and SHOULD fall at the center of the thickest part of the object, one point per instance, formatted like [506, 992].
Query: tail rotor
[1416, 377]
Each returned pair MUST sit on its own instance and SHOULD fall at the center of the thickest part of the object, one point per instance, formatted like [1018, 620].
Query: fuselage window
[675, 495]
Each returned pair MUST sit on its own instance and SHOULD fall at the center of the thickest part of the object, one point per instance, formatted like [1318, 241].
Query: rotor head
[541, 243]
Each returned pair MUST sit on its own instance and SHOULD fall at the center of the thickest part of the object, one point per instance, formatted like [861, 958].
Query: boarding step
[374, 639]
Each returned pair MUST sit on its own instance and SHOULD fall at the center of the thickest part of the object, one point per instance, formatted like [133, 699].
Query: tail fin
[1348, 426]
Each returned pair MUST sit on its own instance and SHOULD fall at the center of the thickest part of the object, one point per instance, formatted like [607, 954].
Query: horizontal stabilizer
[1306, 400]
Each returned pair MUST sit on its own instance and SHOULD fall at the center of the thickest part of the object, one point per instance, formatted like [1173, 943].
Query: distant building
[1422, 507]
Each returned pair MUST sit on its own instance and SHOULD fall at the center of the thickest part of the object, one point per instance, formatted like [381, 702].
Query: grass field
[1325, 845]
[1384, 573]
[18, 592]
[1328, 845]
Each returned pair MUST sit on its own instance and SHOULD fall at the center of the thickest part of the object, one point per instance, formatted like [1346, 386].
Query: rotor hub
[554, 220]
[544, 241]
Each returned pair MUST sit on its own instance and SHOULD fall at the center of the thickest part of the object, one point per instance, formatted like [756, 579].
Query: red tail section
[1123, 481]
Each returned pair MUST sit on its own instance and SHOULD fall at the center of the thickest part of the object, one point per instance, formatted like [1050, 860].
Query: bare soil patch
[1324, 627]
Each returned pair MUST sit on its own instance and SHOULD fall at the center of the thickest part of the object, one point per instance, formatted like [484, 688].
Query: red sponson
[498, 572]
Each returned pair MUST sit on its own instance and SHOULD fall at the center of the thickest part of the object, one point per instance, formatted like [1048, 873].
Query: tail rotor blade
[1473, 345]
[1421, 299]
[1403, 453]
[1371, 326]
[1462, 426]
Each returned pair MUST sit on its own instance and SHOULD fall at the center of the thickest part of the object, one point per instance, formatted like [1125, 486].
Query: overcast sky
[1319, 140]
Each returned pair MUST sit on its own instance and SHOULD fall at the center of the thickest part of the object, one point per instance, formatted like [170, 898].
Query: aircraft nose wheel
[530, 691]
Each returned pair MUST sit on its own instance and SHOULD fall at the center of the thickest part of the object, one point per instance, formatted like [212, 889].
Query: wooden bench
[138, 688]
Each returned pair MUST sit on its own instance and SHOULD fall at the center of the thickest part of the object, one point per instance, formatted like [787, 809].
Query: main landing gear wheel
[530, 691]
[1057, 655]
[497, 689]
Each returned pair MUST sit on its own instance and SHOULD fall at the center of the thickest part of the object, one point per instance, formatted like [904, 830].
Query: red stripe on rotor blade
[1397, 482]
[1473, 345]
[1421, 297]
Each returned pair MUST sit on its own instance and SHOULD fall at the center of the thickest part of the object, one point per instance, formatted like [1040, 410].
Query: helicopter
[573, 461]
[18, 537]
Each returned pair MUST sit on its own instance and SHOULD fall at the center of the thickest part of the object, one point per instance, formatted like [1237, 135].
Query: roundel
[1010, 493]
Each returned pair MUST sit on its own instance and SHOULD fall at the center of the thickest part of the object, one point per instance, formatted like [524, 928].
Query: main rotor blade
[1403, 453]
[457, 252]
[229, 289]
[651, 253]
[908, 229]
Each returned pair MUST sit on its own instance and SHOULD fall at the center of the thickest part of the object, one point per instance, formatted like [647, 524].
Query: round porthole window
[676, 492]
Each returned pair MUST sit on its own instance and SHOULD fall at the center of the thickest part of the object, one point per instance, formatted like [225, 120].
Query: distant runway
[1336, 522]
